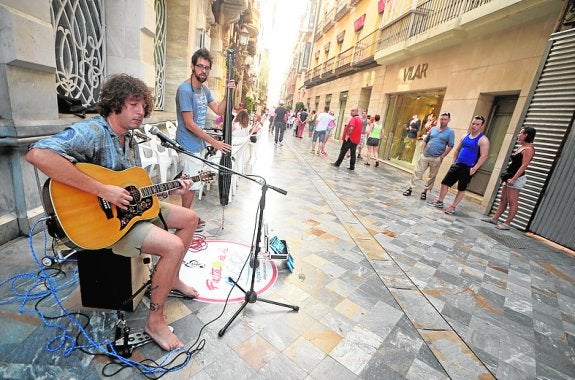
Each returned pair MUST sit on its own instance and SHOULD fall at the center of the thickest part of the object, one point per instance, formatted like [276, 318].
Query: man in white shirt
[322, 122]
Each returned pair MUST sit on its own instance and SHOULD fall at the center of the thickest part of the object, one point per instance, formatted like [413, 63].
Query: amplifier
[107, 280]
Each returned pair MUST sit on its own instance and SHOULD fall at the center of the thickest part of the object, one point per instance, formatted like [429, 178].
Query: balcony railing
[341, 9]
[365, 49]
[328, 20]
[345, 63]
[427, 15]
[328, 68]
[316, 72]
[344, 60]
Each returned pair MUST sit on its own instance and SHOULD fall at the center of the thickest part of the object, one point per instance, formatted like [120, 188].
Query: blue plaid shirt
[93, 141]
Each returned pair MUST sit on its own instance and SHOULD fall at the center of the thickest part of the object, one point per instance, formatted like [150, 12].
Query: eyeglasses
[479, 117]
[203, 68]
[445, 114]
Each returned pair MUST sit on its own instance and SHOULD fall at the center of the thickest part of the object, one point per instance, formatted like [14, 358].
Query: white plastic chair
[165, 159]
[239, 151]
[148, 158]
[171, 127]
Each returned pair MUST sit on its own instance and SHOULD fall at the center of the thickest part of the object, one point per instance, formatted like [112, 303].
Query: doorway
[341, 115]
[497, 125]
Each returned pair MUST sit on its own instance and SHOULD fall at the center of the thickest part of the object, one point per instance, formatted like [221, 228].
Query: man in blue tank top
[470, 154]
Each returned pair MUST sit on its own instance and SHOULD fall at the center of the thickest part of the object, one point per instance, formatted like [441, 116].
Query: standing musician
[107, 141]
[193, 99]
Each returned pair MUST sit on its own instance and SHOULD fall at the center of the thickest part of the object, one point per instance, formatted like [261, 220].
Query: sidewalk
[387, 288]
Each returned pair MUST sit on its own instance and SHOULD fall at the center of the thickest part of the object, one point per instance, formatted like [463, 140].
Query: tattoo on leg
[155, 306]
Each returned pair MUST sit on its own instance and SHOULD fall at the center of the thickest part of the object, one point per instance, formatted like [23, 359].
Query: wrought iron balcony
[343, 62]
[364, 51]
[443, 23]
[342, 8]
[328, 20]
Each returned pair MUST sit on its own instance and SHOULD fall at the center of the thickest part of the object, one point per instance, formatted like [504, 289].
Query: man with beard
[192, 101]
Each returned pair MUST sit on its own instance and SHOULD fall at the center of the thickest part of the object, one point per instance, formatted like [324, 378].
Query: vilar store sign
[414, 72]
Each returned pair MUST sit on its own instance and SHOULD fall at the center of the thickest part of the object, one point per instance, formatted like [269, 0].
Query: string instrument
[84, 220]
[224, 176]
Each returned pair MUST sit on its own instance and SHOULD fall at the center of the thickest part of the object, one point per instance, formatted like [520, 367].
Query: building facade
[56, 54]
[403, 58]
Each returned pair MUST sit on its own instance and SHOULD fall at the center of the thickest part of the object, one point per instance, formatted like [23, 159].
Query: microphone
[165, 138]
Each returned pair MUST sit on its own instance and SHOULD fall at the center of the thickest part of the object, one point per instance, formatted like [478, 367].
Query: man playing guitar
[107, 141]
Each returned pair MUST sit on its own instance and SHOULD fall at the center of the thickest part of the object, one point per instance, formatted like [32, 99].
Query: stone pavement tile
[351, 310]
[381, 319]
[522, 319]
[322, 337]
[420, 273]
[343, 288]
[420, 370]
[422, 314]
[546, 372]
[314, 308]
[329, 368]
[373, 289]
[556, 341]
[281, 367]
[463, 316]
[485, 335]
[256, 351]
[558, 363]
[396, 358]
[489, 361]
[544, 296]
[329, 297]
[279, 334]
[494, 285]
[15, 327]
[355, 350]
[490, 300]
[229, 366]
[372, 250]
[508, 371]
[338, 322]
[377, 367]
[392, 275]
[567, 306]
[459, 362]
[519, 353]
[304, 354]
[570, 329]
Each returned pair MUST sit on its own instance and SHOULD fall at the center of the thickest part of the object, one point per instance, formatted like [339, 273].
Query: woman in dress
[513, 178]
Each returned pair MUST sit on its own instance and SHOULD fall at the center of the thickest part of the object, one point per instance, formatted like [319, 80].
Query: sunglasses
[479, 117]
[445, 114]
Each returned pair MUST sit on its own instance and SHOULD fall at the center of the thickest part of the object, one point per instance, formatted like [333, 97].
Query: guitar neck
[148, 191]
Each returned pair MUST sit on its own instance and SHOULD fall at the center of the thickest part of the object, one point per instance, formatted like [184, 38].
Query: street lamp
[244, 36]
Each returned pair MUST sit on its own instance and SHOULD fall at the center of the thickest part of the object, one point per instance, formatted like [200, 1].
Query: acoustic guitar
[83, 220]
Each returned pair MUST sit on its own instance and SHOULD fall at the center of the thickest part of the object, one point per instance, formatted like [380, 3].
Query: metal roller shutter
[543, 206]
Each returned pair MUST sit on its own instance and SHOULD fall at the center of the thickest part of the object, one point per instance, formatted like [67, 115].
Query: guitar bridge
[106, 207]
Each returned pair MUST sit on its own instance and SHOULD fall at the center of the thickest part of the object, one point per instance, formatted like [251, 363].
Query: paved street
[388, 288]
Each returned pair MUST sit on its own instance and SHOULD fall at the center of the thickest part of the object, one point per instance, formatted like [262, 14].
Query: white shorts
[518, 184]
[191, 166]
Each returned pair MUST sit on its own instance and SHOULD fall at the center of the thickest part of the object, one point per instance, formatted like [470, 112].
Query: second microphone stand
[251, 295]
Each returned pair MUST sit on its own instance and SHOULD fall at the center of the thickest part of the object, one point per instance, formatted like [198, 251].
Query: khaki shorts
[191, 166]
[131, 244]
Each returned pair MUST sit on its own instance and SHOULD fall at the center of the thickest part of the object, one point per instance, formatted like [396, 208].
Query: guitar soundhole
[136, 208]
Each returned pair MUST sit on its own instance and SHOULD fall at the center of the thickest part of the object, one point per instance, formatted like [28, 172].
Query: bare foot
[186, 290]
[163, 335]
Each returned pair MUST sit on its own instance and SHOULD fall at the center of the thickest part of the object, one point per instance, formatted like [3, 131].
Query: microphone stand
[251, 295]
